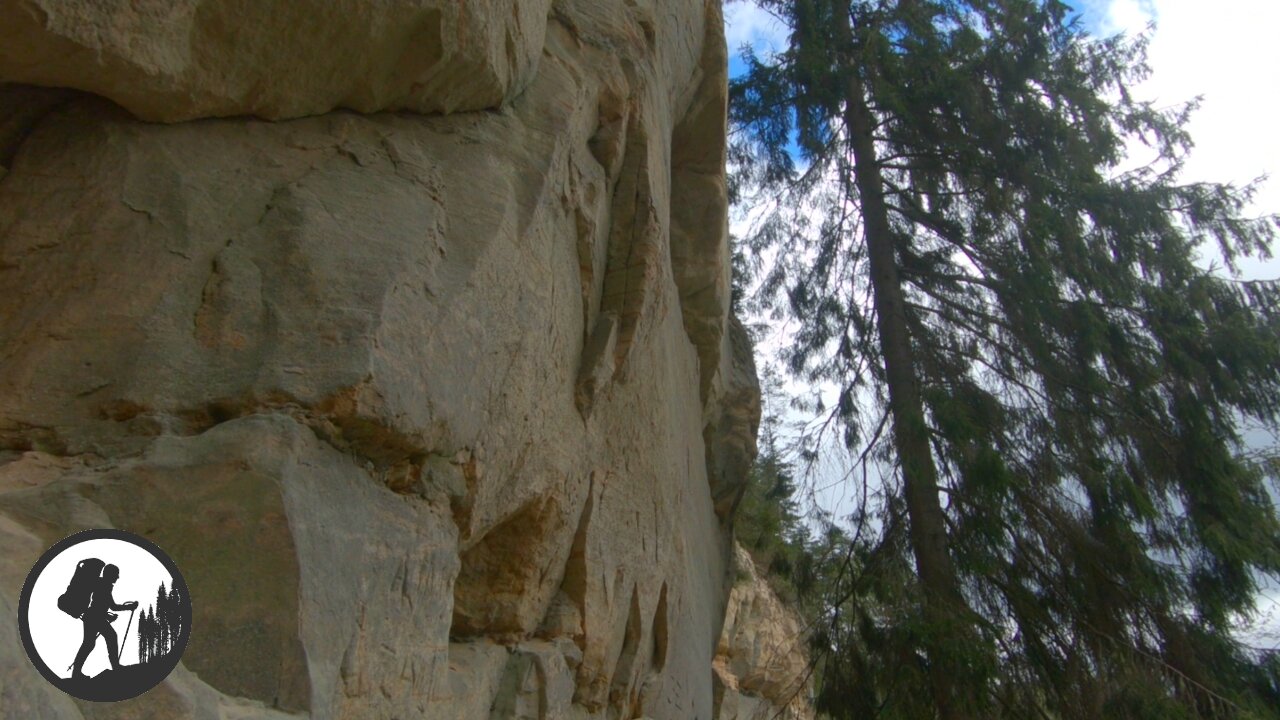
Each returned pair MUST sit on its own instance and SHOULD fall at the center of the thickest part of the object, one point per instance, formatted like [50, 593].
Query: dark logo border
[122, 691]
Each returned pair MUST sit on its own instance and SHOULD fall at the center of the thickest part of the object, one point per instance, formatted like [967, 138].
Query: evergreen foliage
[768, 521]
[160, 626]
[1068, 525]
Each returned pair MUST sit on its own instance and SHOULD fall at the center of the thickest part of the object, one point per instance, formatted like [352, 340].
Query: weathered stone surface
[176, 60]
[280, 537]
[347, 368]
[761, 665]
[733, 417]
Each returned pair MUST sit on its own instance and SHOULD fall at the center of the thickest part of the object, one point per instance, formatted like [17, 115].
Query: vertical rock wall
[403, 326]
[761, 667]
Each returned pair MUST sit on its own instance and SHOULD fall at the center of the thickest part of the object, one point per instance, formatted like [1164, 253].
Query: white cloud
[745, 23]
[1127, 16]
[1223, 51]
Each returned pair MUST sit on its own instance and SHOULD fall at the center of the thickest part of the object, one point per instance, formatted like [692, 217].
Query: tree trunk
[943, 604]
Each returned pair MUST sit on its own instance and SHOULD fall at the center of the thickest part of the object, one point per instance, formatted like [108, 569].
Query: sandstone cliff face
[439, 407]
[761, 665]
[183, 59]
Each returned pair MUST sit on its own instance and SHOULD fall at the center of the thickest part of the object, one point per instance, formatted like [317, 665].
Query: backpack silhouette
[76, 599]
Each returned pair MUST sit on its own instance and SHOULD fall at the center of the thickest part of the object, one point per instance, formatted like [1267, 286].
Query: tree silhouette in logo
[160, 626]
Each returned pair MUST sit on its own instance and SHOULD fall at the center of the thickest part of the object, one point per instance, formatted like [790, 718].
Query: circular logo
[104, 615]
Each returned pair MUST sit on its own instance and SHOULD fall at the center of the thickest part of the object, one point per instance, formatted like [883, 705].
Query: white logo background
[57, 636]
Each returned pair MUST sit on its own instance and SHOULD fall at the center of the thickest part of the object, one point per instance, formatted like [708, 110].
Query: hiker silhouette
[73, 580]
[97, 620]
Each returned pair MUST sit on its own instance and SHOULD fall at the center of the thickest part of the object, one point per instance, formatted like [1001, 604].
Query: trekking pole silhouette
[73, 662]
[128, 625]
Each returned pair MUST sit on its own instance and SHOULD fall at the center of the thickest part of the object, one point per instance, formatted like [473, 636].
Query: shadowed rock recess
[403, 326]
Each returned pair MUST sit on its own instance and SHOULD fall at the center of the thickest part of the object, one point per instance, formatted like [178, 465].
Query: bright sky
[1224, 51]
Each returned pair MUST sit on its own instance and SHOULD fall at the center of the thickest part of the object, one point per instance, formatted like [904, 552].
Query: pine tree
[1068, 527]
[153, 635]
[174, 616]
[146, 636]
[768, 521]
[162, 622]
